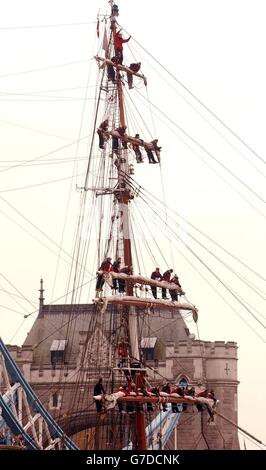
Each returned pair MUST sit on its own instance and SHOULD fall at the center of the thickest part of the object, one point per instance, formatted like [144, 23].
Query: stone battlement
[219, 349]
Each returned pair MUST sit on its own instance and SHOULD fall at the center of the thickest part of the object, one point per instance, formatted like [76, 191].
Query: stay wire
[226, 287]
[237, 274]
[214, 170]
[207, 121]
[202, 104]
[35, 226]
[201, 147]
[145, 192]
[221, 261]
[10, 28]
[217, 278]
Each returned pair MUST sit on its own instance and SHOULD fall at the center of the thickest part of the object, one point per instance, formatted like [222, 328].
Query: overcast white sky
[216, 49]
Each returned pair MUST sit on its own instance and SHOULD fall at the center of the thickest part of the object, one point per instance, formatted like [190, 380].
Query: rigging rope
[238, 427]
[149, 195]
[201, 147]
[202, 104]
[210, 252]
[150, 208]
[206, 120]
[215, 275]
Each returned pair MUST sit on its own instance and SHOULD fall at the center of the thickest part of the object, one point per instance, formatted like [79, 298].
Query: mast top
[115, 9]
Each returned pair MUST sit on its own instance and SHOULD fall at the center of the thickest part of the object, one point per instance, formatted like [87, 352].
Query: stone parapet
[197, 348]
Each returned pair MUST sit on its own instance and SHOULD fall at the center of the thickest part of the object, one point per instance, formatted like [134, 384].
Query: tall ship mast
[115, 366]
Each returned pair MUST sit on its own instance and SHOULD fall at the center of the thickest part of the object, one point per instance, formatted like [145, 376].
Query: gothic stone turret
[52, 368]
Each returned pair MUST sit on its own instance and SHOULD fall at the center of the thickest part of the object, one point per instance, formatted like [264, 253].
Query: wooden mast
[124, 198]
[124, 188]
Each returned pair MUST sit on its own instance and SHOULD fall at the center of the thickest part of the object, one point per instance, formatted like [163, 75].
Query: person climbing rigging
[102, 132]
[118, 44]
[135, 68]
[106, 267]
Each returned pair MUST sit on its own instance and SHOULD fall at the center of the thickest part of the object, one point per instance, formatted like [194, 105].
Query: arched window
[183, 383]
[55, 400]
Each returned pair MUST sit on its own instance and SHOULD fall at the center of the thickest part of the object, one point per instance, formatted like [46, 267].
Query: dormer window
[57, 351]
[148, 348]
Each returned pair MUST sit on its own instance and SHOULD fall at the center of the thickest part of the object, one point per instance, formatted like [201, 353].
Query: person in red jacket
[106, 267]
[123, 352]
[118, 43]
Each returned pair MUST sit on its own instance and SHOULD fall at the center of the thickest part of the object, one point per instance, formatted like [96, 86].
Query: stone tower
[52, 368]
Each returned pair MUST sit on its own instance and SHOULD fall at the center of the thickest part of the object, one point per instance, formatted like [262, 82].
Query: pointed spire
[41, 298]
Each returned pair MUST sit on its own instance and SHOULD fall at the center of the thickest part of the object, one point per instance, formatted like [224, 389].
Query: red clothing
[125, 270]
[156, 275]
[116, 266]
[106, 266]
[135, 147]
[203, 394]
[115, 60]
[175, 280]
[118, 41]
[122, 389]
[104, 126]
[122, 349]
[121, 131]
[179, 391]
[167, 276]
[135, 67]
